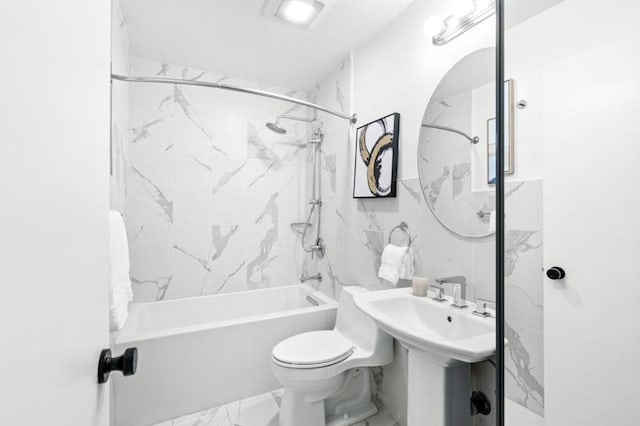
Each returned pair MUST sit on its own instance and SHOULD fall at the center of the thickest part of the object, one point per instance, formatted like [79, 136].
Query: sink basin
[441, 341]
[444, 333]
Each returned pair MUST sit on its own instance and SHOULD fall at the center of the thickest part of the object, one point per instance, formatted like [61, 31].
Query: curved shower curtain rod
[352, 118]
[474, 139]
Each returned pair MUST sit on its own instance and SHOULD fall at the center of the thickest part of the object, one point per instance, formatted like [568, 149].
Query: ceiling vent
[299, 13]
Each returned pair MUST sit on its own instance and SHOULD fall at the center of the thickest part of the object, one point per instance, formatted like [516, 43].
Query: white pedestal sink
[442, 341]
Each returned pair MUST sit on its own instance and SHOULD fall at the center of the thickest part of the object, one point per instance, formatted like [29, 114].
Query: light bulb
[462, 7]
[433, 26]
[298, 11]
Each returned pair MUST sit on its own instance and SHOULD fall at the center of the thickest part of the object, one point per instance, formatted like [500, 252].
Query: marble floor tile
[260, 410]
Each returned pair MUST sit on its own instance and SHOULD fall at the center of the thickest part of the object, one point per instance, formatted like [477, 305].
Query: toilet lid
[324, 347]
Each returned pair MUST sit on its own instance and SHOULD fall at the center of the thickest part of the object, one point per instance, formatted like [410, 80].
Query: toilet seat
[315, 349]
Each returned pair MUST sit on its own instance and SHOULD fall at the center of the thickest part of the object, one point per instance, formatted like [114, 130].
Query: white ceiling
[232, 37]
[517, 11]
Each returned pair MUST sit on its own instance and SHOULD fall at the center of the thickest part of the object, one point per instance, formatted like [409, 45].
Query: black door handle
[127, 363]
[555, 273]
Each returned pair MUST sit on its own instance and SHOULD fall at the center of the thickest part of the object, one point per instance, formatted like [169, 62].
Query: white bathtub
[200, 352]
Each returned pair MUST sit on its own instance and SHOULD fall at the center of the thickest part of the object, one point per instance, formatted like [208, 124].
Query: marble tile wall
[523, 295]
[210, 191]
[208, 194]
[357, 230]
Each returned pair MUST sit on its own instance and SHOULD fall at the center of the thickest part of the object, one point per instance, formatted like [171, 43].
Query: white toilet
[324, 373]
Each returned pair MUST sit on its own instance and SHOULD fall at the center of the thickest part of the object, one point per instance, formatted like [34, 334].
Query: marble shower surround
[210, 192]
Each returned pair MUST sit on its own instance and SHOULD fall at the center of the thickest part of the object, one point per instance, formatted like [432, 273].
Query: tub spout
[304, 277]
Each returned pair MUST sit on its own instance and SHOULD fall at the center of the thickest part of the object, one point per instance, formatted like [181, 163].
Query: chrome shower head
[274, 127]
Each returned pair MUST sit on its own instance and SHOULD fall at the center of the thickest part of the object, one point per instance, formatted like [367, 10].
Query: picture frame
[376, 158]
[509, 146]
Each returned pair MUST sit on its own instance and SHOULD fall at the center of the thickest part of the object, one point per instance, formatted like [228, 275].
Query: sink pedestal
[439, 391]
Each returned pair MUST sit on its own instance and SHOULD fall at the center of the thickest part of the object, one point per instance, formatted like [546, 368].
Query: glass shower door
[572, 237]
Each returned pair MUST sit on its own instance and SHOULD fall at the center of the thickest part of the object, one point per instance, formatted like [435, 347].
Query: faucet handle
[458, 301]
[481, 307]
[439, 289]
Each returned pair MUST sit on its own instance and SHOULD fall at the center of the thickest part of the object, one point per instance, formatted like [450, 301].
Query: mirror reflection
[452, 151]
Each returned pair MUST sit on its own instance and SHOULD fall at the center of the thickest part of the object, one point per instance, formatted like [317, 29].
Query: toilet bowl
[324, 373]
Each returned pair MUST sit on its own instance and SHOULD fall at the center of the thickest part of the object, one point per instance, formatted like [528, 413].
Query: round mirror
[454, 154]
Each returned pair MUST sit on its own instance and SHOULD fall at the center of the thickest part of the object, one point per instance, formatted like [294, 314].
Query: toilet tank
[356, 325]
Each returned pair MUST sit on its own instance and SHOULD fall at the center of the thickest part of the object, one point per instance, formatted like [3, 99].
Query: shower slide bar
[473, 140]
[352, 118]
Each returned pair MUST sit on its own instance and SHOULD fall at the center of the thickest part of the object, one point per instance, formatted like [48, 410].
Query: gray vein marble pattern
[256, 268]
[523, 293]
[461, 172]
[369, 215]
[520, 369]
[260, 410]
[155, 193]
[200, 166]
[209, 194]
[516, 242]
[143, 131]
[204, 263]
[226, 177]
[445, 167]
[266, 171]
[374, 242]
[220, 240]
[192, 114]
[413, 188]
[162, 284]
[435, 186]
[230, 276]
[357, 233]
[329, 167]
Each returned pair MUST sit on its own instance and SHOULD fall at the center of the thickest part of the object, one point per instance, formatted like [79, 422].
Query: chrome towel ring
[404, 228]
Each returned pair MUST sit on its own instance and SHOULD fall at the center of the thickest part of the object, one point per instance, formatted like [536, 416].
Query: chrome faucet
[481, 307]
[459, 289]
[439, 289]
[304, 277]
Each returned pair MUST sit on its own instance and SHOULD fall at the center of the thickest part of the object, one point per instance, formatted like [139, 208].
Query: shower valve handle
[127, 363]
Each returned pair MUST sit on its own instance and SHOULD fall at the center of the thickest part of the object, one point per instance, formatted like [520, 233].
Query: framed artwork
[376, 158]
[509, 137]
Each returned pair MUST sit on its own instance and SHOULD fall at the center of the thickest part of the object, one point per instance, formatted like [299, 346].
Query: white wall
[120, 103]
[584, 96]
[54, 185]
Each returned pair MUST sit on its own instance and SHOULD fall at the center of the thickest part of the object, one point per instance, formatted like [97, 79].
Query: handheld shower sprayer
[317, 248]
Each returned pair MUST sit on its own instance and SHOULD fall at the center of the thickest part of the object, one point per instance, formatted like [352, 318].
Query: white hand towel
[492, 221]
[407, 268]
[391, 263]
[121, 293]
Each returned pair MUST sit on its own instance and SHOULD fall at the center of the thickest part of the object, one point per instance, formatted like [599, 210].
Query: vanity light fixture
[299, 12]
[466, 15]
